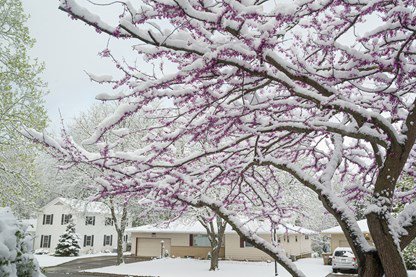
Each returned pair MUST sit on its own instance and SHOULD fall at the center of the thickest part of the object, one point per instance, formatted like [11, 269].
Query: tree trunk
[371, 267]
[215, 255]
[388, 251]
[120, 258]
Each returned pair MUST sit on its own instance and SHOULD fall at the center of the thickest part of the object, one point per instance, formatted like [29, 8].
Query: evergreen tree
[68, 244]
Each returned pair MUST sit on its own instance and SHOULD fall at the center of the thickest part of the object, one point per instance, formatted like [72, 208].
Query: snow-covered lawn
[46, 260]
[191, 268]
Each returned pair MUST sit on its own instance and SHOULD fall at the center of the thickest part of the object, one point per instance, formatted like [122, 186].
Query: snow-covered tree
[322, 90]
[21, 104]
[68, 242]
[215, 227]
[15, 248]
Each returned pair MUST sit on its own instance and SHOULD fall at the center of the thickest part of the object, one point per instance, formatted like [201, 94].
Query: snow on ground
[191, 268]
[46, 260]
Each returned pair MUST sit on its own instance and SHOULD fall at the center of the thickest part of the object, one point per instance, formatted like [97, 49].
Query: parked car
[344, 259]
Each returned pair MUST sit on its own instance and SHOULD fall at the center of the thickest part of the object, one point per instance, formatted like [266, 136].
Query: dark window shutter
[111, 240]
[62, 219]
[44, 219]
[191, 240]
[104, 240]
[93, 220]
[85, 240]
[241, 242]
[49, 242]
[41, 238]
[92, 240]
[51, 219]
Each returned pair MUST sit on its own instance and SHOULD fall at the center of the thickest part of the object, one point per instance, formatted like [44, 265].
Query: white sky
[68, 47]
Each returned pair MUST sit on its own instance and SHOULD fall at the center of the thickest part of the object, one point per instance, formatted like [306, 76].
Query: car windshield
[344, 253]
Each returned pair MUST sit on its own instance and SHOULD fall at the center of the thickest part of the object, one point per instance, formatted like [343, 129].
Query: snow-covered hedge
[15, 248]
[409, 256]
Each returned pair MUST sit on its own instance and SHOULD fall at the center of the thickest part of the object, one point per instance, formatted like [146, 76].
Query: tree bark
[119, 229]
[120, 258]
[215, 255]
[371, 266]
[388, 251]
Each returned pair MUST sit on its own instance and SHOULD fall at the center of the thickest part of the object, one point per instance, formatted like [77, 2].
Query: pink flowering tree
[321, 90]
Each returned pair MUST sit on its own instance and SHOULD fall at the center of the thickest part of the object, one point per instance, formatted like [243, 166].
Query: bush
[409, 256]
[15, 248]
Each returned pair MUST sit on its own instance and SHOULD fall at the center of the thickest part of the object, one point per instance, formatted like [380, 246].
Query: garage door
[147, 247]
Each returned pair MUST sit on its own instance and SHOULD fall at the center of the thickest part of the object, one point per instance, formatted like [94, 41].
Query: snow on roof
[362, 224]
[83, 206]
[195, 227]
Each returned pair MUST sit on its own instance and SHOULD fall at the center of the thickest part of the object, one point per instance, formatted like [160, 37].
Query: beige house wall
[178, 246]
[194, 251]
[339, 240]
[299, 248]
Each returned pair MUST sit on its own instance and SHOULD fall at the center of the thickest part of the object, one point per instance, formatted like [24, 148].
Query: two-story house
[93, 224]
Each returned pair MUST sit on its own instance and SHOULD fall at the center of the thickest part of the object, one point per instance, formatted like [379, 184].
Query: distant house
[338, 238]
[190, 240]
[93, 224]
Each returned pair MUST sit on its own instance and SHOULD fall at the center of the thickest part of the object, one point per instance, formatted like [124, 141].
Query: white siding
[57, 229]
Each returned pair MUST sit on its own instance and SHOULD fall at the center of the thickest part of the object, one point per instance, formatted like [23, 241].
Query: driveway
[72, 268]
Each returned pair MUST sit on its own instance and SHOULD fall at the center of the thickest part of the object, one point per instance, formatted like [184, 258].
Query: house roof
[82, 206]
[362, 224]
[195, 227]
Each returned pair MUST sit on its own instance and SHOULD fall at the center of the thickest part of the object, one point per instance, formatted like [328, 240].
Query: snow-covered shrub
[409, 256]
[68, 243]
[42, 251]
[15, 248]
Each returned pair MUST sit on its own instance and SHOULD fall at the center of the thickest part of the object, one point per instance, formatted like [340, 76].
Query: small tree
[68, 244]
[215, 227]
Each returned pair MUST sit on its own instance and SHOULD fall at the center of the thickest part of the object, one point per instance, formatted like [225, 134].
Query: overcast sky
[68, 47]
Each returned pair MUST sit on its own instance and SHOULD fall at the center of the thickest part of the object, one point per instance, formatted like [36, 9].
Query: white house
[189, 239]
[93, 224]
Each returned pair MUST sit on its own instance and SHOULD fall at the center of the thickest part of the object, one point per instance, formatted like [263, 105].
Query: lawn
[190, 268]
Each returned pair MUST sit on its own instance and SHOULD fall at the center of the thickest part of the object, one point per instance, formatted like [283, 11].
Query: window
[108, 240]
[65, 218]
[47, 219]
[244, 243]
[45, 241]
[126, 237]
[247, 244]
[109, 221]
[296, 238]
[90, 220]
[343, 253]
[278, 239]
[306, 237]
[88, 240]
[201, 240]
